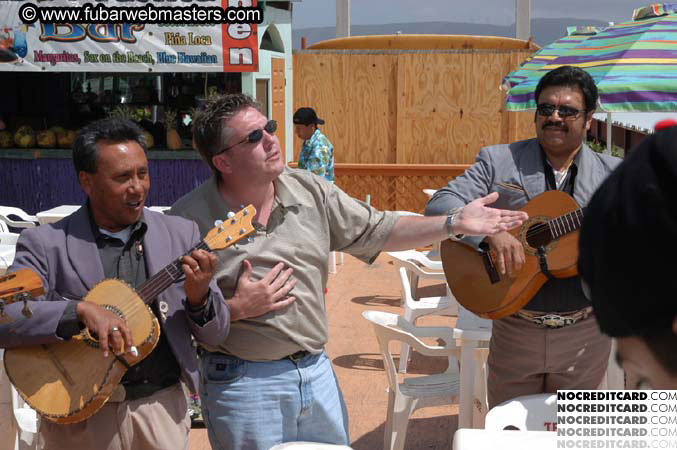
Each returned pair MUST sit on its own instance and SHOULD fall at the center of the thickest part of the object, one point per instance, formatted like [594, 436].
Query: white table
[58, 213]
[469, 439]
[471, 330]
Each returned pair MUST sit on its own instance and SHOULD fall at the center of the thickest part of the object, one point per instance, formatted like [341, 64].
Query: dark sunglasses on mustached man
[565, 112]
[255, 136]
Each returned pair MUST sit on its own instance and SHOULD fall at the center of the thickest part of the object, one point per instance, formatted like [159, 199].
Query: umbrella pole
[609, 132]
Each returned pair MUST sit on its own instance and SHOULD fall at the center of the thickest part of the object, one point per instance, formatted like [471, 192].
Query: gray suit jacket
[65, 256]
[515, 171]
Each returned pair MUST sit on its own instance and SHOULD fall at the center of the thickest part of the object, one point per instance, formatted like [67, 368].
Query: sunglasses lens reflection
[271, 126]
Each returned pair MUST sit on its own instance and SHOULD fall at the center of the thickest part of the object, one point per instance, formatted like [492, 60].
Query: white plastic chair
[415, 308]
[430, 266]
[26, 220]
[7, 249]
[414, 392]
[308, 446]
[27, 422]
[526, 413]
[3, 227]
[7, 238]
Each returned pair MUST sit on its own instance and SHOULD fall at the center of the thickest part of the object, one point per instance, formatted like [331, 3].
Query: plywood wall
[409, 108]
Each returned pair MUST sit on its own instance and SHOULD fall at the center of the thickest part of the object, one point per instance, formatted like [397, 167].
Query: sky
[321, 13]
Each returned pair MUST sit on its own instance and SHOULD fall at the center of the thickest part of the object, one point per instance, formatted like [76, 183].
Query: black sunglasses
[565, 112]
[255, 136]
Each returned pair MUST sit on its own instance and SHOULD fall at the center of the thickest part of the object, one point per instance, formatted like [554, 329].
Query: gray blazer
[65, 256]
[515, 171]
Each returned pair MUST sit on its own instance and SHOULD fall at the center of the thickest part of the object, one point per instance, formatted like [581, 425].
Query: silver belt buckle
[553, 321]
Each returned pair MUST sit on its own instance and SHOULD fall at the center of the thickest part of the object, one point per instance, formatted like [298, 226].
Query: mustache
[559, 125]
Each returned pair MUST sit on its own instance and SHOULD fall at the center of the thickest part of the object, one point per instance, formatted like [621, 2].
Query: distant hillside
[544, 30]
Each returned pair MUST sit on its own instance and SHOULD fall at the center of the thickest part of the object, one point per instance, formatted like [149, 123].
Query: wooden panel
[279, 110]
[525, 127]
[449, 106]
[410, 108]
[355, 95]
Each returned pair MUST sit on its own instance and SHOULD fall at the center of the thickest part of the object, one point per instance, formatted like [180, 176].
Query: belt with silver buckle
[298, 355]
[552, 320]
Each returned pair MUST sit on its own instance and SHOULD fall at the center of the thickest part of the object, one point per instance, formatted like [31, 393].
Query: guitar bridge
[489, 265]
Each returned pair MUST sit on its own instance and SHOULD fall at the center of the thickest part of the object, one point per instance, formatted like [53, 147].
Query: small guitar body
[67, 382]
[552, 228]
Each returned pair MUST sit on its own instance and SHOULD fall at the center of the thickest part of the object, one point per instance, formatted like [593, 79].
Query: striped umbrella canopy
[546, 55]
[634, 64]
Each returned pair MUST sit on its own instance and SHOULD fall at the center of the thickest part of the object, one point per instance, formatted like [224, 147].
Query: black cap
[307, 116]
[628, 242]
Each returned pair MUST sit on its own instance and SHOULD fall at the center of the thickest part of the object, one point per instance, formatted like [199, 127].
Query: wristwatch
[452, 215]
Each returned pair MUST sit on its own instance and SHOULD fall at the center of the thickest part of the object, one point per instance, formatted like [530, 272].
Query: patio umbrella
[546, 55]
[634, 64]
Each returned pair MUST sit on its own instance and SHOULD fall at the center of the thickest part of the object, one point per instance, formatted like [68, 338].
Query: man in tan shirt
[270, 380]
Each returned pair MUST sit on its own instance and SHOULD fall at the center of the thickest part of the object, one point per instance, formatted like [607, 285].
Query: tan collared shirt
[310, 218]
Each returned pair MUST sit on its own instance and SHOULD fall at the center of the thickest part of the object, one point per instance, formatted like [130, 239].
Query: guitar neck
[156, 284]
[566, 223]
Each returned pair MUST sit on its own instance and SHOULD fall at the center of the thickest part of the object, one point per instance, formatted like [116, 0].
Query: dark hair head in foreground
[628, 245]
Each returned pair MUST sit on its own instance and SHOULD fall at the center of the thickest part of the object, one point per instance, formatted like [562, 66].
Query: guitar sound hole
[538, 235]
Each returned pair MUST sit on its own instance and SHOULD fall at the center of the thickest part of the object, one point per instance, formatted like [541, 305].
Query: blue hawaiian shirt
[317, 155]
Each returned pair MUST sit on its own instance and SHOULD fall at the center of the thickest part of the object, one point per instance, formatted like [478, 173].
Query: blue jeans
[256, 405]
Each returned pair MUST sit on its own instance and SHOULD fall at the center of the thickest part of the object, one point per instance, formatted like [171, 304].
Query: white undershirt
[560, 175]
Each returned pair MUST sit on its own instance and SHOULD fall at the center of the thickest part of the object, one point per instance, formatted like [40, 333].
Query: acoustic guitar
[550, 241]
[67, 382]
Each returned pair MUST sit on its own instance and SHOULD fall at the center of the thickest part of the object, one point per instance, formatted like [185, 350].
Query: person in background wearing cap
[317, 153]
[627, 246]
[271, 381]
[527, 355]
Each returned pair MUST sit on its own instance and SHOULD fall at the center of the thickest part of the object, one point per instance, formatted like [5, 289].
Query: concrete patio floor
[357, 360]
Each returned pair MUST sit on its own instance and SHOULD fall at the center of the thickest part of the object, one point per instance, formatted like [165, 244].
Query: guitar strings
[168, 275]
[537, 229]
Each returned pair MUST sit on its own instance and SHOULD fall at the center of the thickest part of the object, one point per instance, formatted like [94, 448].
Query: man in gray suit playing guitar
[553, 342]
[113, 236]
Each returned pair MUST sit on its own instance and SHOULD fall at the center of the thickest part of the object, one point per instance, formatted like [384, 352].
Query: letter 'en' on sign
[240, 41]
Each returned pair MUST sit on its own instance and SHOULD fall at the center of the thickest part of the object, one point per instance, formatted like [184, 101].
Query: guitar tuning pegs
[24, 297]
[230, 214]
[26, 310]
[218, 222]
